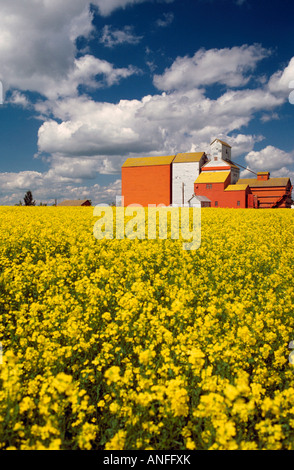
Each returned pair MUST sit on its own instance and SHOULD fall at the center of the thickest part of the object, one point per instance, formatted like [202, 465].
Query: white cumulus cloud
[228, 66]
[281, 80]
[38, 48]
[163, 123]
[269, 158]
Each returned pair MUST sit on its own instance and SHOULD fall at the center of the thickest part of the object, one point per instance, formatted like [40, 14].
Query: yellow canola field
[139, 344]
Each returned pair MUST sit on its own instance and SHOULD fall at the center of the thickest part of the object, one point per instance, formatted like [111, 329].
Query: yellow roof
[234, 187]
[188, 157]
[212, 177]
[148, 161]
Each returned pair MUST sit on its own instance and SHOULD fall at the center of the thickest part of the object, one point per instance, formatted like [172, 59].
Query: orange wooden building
[147, 180]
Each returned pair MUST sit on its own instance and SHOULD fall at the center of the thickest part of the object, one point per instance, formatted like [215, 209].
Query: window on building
[238, 203]
[208, 186]
[216, 203]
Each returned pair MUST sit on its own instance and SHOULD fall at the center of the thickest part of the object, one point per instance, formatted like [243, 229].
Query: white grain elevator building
[185, 169]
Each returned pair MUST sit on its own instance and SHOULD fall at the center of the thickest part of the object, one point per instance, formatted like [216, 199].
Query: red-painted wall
[231, 199]
[215, 193]
[221, 198]
[147, 185]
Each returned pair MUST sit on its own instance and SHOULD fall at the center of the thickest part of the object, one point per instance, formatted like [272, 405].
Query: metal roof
[222, 142]
[255, 183]
[73, 202]
[200, 198]
[188, 157]
[232, 164]
[212, 177]
[148, 161]
[234, 187]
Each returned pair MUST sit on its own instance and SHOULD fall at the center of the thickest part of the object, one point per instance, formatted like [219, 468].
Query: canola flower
[138, 344]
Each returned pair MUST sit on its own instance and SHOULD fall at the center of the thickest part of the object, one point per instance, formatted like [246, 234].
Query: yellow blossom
[118, 343]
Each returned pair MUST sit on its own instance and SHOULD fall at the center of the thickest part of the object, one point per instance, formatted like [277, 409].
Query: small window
[238, 203]
[216, 203]
[208, 186]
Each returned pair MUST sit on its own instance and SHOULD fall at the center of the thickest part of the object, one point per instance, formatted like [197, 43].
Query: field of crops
[139, 344]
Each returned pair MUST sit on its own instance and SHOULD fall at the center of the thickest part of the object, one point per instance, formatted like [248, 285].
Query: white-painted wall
[222, 153]
[217, 149]
[218, 163]
[185, 173]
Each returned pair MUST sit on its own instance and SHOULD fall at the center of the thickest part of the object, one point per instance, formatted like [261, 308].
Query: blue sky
[87, 85]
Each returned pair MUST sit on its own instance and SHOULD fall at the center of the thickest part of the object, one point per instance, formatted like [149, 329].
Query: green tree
[28, 199]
